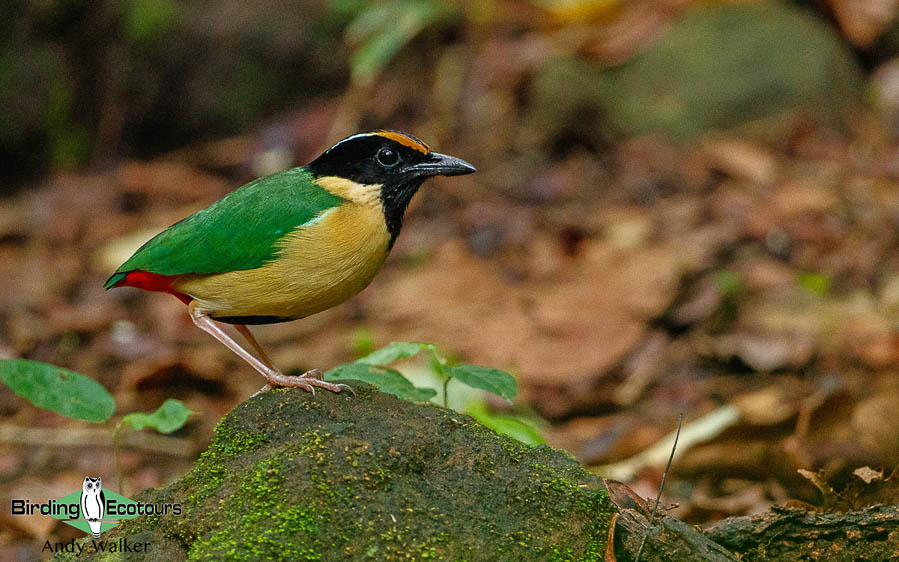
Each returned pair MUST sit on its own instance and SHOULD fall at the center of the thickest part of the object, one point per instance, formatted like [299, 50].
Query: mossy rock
[294, 476]
[716, 67]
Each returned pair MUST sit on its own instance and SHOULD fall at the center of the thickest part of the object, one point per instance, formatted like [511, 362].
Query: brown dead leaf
[88, 317]
[38, 277]
[604, 439]
[868, 337]
[820, 481]
[572, 434]
[630, 32]
[625, 498]
[876, 425]
[772, 405]
[439, 303]
[563, 336]
[768, 352]
[592, 322]
[867, 474]
[795, 198]
[862, 21]
[742, 159]
[175, 181]
[703, 301]
[765, 274]
[750, 499]
[870, 489]
[727, 457]
[642, 368]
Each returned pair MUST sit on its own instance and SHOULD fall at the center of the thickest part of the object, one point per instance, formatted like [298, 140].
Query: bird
[291, 244]
[93, 503]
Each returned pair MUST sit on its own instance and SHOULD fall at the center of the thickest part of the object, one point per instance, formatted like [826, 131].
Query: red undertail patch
[152, 282]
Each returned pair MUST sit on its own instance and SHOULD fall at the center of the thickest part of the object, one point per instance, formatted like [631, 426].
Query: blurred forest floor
[679, 208]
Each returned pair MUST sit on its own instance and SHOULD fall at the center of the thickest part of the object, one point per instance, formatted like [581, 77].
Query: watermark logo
[93, 510]
[93, 506]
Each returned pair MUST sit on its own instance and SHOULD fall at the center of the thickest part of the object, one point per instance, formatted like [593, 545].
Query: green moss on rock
[291, 476]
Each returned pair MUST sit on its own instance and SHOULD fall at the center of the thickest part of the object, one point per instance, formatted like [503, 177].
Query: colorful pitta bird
[291, 244]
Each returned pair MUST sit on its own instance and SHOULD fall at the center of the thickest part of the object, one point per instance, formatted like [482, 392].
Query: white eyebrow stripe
[396, 136]
[356, 136]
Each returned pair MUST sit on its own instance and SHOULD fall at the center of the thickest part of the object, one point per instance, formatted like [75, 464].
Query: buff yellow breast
[320, 264]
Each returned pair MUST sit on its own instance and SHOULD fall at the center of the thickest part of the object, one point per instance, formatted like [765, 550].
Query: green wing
[239, 231]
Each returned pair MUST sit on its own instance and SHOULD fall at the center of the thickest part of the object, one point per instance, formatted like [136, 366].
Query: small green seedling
[513, 426]
[384, 378]
[78, 396]
[59, 390]
[168, 418]
[373, 369]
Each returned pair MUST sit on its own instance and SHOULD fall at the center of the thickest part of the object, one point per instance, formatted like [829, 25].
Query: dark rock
[294, 476]
[716, 67]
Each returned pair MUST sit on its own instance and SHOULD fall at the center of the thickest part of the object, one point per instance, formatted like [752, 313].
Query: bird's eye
[387, 158]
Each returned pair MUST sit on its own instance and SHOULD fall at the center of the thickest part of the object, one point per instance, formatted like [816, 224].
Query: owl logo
[93, 503]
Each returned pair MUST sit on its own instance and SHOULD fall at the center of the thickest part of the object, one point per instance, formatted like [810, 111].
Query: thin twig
[698, 431]
[116, 447]
[652, 516]
[99, 437]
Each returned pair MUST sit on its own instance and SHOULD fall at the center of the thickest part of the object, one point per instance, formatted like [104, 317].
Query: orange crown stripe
[406, 140]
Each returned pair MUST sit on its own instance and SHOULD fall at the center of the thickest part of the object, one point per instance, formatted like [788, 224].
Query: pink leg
[307, 381]
[251, 339]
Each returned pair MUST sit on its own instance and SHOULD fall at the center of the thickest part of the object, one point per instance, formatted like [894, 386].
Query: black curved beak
[442, 165]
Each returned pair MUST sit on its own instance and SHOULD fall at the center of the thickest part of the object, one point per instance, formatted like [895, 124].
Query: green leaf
[169, 417]
[728, 282]
[368, 60]
[507, 425]
[492, 380]
[381, 29]
[437, 363]
[371, 19]
[394, 351]
[347, 7]
[816, 283]
[387, 380]
[149, 20]
[363, 342]
[62, 391]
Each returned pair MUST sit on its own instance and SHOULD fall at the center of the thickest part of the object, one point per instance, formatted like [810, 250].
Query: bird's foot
[307, 381]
